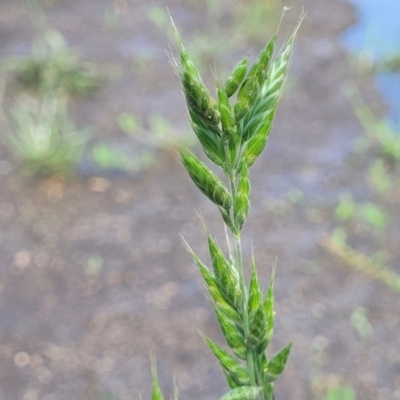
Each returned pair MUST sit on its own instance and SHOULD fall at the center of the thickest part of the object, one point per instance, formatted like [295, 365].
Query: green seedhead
[233, 135]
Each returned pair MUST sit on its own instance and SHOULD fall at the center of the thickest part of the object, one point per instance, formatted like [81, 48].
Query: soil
[93, 274]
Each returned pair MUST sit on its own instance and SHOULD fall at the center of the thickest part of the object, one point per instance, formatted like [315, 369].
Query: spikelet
[236, 374]
[246, 97]
[242, 200]
[243, 393]
[277, 364]
[236, 78]
[226, 112]
[206, 180]
[226, 277]
[197, 95]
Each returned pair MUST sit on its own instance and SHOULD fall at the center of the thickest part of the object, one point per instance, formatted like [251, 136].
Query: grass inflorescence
[233, 136]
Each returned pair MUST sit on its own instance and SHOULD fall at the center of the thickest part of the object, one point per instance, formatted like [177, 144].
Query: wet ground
[93, 274]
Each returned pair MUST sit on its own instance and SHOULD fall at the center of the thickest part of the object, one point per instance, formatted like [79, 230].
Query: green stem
[251, 366]
[251, 362]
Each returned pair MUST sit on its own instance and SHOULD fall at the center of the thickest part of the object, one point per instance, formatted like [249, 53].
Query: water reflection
[376, 35]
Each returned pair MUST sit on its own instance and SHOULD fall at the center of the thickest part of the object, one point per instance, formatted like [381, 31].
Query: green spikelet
[259, 140]
[206, 180]
[212, 144]
[216, 296]
[197, 95]
[259, 69]
[242, 393]
[232, 334]
[226, 112]
[269, 312]
[277, 364]
[242, 201]
[269, 306]
[199, 100]
[236, 78]
[257, 122]
[226, 277]
[233, 370]
[247, 96]
[258, 328]
[156, 392]
[255, 295]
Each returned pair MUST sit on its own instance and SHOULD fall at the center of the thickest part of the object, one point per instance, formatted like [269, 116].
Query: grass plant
[341, 393]
[380, 135]
[109, 158]
[42, 137]
[52, 65]
[233, 137]
[337, 245]
[363, 239]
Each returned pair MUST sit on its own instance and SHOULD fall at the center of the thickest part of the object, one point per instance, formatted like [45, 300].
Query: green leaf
[156, 392]
[242, 393]
[233, 335]
[235, 372]
[208, 183]
[346, 208]
[226, 277]
[277, 364]
[341, 393]
[373, 215]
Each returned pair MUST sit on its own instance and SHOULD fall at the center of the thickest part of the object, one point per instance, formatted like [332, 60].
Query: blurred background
[93, 199]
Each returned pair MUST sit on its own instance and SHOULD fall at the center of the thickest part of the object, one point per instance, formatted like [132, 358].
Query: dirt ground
[93, 274]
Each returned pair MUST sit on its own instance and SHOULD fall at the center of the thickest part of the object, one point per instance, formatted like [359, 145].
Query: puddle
[376, 35]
